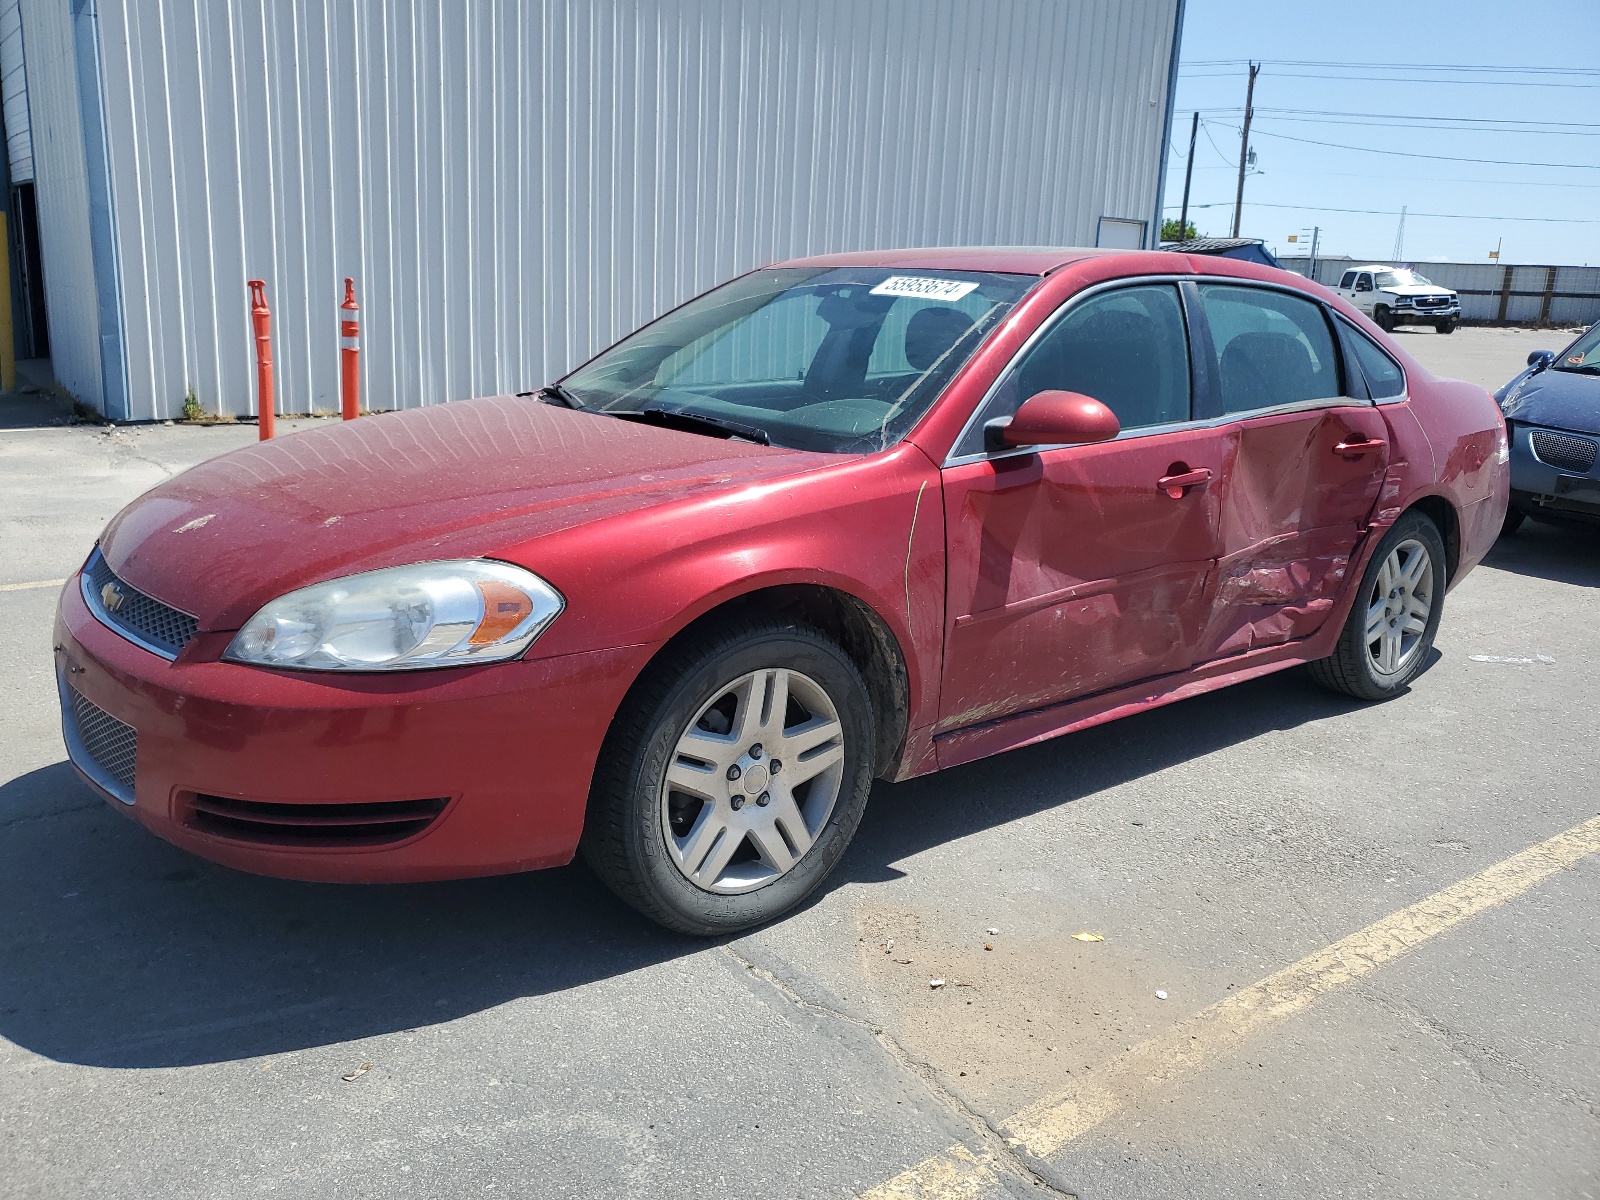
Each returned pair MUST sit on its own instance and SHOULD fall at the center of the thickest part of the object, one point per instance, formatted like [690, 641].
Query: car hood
[1419, 290]
[458, 480]
[1563, 399]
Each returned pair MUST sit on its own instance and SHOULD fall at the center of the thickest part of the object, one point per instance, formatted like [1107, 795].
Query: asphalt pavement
[1348, 950]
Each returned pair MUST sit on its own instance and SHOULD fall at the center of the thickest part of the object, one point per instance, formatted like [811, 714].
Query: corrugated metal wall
[1520, 295]
[62, 192]
[14, 93]
[514, 185]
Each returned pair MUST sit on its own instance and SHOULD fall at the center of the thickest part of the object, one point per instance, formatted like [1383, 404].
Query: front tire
[1446, 326]
[1383, 318]
[1513, 522]
[733, 778]
[1386, 639]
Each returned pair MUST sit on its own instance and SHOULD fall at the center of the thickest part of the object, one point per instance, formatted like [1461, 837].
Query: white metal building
[514, 185]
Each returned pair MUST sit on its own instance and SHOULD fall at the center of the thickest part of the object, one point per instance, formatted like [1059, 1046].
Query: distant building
[515, 186]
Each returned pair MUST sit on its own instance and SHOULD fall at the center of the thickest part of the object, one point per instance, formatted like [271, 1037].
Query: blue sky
[1534, 108]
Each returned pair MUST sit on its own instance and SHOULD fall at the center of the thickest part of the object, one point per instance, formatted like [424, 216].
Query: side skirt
[1042, 724]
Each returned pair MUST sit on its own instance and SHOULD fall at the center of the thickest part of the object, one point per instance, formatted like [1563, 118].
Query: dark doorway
[33, 334]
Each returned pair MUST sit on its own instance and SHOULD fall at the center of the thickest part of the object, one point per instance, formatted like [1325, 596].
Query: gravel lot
[170, 1028]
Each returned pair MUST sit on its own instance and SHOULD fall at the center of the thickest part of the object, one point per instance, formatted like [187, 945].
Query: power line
[1382, 212]
[1467, 124]
[1498, 162]
[1490, 68]
[1534, 83]
[1402, 124]
[1539, 183]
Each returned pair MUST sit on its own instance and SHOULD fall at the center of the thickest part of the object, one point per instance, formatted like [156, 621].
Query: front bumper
[492, 763]
[1541, 489]
[1408, 314]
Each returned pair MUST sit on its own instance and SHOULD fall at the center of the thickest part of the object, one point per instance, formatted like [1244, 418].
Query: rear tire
[1383, 318]
[733, 777]
[1386, 639]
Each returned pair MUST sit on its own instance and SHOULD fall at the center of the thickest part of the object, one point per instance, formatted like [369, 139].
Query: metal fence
[1495, 294]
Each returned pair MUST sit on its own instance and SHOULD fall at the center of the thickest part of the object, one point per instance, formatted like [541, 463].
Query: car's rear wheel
[1386, 639]
[733, 779]
[1446, 326]
[1383, 318]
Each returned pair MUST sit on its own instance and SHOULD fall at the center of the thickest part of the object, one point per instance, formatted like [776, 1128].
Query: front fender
[870, 527]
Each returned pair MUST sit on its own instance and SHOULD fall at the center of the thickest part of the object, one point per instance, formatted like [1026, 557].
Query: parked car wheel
[1446, 326]
[733, 778]
[1513, 522]
[1386, 639]
[1383, 318]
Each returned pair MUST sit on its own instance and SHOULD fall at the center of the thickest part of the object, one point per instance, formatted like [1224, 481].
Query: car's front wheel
[1446, 326]
[1386, 639]
[733, 778]
[1383, 318]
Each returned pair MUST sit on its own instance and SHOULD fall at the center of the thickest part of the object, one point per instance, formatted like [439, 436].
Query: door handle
[1356, 449]
[1174, 485]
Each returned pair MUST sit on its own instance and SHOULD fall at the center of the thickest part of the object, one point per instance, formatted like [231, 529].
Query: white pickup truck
[1399, 296]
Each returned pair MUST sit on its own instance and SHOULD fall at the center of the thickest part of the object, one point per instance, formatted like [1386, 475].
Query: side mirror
[1053, 419]
[1540, 359]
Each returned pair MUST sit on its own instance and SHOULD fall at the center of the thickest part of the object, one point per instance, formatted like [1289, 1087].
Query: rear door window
[1348, 282]
[1271, 348]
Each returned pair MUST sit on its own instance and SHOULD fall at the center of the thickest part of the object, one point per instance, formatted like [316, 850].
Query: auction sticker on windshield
[948, 290]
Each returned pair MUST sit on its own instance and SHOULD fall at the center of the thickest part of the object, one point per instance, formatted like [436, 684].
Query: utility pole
[1188, 175]
[1311, 262]
[1400, 237]
[1244, 144]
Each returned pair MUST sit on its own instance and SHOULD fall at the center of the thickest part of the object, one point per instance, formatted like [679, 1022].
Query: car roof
[1010, 260]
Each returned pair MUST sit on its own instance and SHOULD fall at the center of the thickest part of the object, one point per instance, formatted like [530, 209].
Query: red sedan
[853, 517]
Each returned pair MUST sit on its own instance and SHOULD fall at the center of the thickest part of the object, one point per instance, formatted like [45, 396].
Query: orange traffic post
[261, 317]
[350, 353]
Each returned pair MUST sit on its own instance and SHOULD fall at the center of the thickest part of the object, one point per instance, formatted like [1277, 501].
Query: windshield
[1583, 354]
[1389, 279]
[815, 358]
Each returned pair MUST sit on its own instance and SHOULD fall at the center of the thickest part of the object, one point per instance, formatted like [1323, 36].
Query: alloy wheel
[752, 781]
[1398, 608]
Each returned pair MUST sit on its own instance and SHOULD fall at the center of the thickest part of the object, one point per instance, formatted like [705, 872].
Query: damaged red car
[846, 518]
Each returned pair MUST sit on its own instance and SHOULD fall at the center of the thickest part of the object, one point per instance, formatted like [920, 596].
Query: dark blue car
[1552, 413]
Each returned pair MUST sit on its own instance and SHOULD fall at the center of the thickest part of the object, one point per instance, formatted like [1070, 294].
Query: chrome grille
[140, 618]
[1563, 451]
[1433, 301]
[111, 744]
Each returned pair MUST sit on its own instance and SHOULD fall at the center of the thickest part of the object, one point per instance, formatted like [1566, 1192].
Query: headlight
[437, 614]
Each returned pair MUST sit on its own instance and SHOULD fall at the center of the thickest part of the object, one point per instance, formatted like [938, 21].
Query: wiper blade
[738, 429]
[557, 394]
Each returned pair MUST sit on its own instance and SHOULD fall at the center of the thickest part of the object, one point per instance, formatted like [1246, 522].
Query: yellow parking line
[24, 587]
[1045, 1128]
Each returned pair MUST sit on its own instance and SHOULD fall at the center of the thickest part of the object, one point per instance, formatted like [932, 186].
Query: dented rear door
[1300, 472]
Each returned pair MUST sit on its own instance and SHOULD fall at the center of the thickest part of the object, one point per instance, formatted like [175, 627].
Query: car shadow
[122, 951]
[1560, 553]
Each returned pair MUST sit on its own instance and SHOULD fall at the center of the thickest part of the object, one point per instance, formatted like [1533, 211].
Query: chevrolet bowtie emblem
[111, 597]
